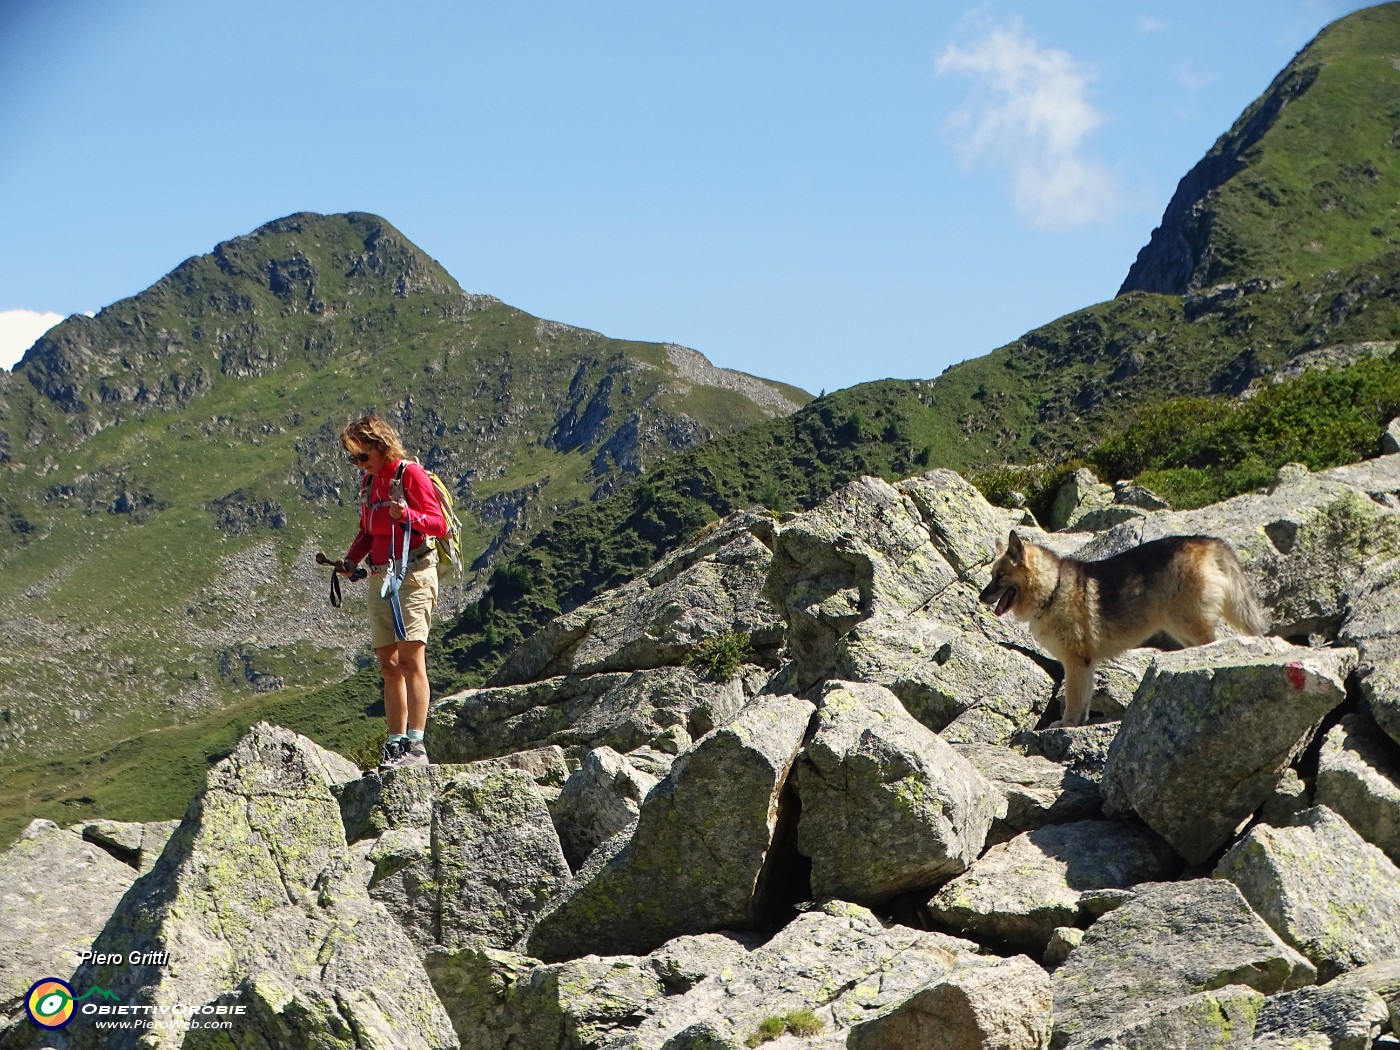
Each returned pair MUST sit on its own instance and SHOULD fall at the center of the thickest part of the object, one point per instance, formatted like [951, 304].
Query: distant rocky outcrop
[791, 787]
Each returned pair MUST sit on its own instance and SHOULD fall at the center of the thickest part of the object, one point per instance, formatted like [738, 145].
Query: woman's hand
[397, 509]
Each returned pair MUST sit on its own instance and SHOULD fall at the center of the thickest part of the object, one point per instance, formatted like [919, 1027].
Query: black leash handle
[338, 566]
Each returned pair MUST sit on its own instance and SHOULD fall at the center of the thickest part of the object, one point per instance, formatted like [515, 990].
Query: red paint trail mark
[1297, 677]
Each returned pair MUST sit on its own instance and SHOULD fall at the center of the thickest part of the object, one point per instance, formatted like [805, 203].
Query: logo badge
[50, 1003]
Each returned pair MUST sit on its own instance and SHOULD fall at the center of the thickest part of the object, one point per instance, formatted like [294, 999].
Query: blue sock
[415, 736]
[395, 737]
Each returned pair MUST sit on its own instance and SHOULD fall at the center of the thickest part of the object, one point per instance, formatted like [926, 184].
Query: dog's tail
[1241, 610]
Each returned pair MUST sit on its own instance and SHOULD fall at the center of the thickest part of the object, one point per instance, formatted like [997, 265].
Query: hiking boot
[413, 753]
[393, 751]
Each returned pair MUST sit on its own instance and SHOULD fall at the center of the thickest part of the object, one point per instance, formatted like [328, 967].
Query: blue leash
[393, 580]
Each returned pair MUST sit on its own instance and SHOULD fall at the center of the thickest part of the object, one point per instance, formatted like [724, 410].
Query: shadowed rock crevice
[785, 882]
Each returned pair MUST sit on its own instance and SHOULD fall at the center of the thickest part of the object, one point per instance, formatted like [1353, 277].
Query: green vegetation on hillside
[169, 467]
[1195, 451]
[153, 774]
[1318, 192]
[1302, 184]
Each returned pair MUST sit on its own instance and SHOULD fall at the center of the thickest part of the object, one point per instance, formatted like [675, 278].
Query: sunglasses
[358, 457]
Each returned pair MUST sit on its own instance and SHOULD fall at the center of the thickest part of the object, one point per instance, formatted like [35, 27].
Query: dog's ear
[1015, 549]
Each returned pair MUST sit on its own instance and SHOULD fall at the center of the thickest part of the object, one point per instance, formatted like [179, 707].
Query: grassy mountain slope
[171, 464]
[1304, 182]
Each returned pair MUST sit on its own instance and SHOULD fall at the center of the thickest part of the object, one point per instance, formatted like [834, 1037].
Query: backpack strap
[395, 487]
[396, 493]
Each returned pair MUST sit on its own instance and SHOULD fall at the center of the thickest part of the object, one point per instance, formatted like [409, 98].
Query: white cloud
[1030, 115]
[18, 331]
[1192, 79]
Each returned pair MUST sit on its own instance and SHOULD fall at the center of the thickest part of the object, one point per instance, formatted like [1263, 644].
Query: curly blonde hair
[373, 432]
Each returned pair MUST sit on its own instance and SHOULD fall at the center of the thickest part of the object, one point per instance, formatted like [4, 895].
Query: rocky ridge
[1246, 214]
[789, 787]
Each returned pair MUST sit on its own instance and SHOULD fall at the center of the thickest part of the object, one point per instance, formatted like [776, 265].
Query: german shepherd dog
[1084, 612]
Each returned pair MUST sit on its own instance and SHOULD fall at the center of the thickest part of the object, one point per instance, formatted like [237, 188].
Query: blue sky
[822, 193]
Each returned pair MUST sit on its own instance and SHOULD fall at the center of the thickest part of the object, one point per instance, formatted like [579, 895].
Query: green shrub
[769, 1028]
[1032, 487]
[1199, 450]
[802, 1023]
[721, 656]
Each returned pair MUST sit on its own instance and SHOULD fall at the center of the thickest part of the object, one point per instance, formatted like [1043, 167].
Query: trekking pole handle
[341, 567]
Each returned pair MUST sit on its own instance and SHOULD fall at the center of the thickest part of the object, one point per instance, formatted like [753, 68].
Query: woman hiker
[398, 506]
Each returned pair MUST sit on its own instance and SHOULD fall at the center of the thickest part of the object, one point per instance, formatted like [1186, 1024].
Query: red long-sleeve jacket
[380, 537]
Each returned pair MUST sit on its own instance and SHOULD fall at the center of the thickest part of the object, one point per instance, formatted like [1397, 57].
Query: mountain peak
[365, 248]
[155, 347]
[1297, 185]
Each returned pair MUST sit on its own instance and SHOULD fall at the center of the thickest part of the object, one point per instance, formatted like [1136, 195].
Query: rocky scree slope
[169, 467]
[788, 786]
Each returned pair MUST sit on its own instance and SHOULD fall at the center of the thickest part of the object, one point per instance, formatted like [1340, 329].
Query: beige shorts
[417, 596]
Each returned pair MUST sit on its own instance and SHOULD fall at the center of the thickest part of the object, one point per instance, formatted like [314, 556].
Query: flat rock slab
[960, 684]
[1351, 1018]
[1035, 791]
[1219, 1019]
[1168, 942]
[1382, 978]
[1003, 1004]
[1325, 889]
[138, 845]
[56, 893]
[1211, 732]
[1358, 778]
[704, 591]
[1081, 749]
[1019, 892]
[843, 967]
[624, 710]
[887, 806]
[694, 861]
